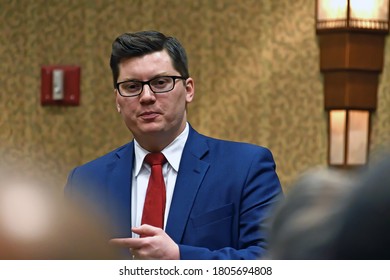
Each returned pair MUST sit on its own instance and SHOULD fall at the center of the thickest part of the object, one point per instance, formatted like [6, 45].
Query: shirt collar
[172, 152]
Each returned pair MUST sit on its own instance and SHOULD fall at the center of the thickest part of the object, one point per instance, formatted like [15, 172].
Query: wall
[255, 64]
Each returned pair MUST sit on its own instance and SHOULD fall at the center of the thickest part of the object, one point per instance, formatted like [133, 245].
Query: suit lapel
[191, 172]
[119, 190]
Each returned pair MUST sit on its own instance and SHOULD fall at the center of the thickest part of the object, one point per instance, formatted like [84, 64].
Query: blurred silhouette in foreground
[305, 223]
[330, 214]
[37, 223]
[365, 231]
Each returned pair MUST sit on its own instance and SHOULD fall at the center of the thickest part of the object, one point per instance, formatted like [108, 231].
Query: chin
[151, 128]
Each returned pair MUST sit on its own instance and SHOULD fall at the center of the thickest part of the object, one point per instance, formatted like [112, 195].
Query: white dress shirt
[141, 173]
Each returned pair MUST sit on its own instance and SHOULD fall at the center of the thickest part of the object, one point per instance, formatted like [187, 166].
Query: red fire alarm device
[60, 85]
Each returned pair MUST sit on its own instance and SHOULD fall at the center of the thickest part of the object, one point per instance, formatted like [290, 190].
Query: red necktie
[154, 207]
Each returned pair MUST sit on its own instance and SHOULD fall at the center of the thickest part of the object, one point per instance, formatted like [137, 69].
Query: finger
[132, 243]
[146, 230]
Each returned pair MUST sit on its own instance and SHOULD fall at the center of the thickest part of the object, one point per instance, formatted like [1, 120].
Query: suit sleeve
[260, 192]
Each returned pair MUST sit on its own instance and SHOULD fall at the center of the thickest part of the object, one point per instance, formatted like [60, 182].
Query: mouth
[149, 116]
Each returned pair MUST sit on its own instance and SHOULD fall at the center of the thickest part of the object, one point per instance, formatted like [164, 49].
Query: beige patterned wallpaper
[255, 64]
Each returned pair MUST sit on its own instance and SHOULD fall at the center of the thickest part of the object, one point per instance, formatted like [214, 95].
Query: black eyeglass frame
[174, 78]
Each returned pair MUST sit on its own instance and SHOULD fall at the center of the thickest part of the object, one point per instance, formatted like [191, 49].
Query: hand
[156, 245]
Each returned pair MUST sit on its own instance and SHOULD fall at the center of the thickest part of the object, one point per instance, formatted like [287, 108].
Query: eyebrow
[153, 77]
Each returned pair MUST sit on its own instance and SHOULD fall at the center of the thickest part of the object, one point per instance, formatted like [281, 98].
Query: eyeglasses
[157, 85]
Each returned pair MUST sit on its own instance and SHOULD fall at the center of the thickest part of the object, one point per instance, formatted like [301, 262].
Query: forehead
[146, 65]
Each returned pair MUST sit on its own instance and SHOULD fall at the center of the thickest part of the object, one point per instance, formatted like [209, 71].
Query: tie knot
[155, 159]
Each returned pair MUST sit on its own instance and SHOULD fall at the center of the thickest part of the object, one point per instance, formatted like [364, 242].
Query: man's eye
[131, 86]
[160, 82]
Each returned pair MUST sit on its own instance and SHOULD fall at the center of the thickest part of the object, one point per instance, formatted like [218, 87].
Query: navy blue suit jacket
[223, 196]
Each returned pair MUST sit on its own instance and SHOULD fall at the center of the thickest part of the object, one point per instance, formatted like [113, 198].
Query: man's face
[155, 119]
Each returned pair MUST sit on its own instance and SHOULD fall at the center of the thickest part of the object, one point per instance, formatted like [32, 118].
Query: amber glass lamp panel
[348, 137]
[358, 133]
[361, 14]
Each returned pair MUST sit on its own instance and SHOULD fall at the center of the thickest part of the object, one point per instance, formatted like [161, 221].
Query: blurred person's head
[365, 231]
[304, 224]
[36, 223]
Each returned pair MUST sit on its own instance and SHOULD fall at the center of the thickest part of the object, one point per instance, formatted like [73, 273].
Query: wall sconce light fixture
[351, 38]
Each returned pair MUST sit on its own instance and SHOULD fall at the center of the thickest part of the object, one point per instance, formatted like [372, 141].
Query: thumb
[146, 230]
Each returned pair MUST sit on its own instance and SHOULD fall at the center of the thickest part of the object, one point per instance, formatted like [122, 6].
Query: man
[218, 193]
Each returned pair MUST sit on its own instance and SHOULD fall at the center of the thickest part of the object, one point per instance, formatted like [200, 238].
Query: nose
[147, 95]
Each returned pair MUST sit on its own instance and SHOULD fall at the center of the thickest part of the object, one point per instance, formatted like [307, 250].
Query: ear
[118, 108]
[190, 90]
